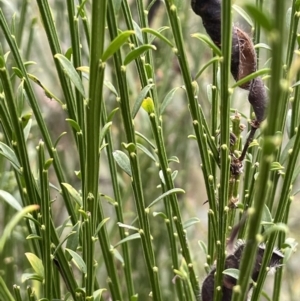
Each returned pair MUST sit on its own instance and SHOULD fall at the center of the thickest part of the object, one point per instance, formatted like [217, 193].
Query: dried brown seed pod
[243, 59]
[233, 262]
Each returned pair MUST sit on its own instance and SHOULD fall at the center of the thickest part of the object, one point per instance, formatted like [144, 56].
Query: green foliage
[103, 200]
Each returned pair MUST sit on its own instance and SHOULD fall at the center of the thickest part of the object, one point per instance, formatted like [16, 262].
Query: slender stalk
[45, 230]
[118, 207]
[136, 173]
[37, 113]
[195, 109]
[224, 141]
[270, 147]
[54, 44]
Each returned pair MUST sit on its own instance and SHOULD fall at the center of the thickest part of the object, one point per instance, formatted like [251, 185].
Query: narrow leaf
[36, 264]
[123, 161]
[116, 44]
[135, 53]
[71, 72]
[204, 38]
[78, 261]
[73, 193]
[190, 222]
[158, 35]
[13, 222]
[140, 99]
[128, 238]
[169, 192]
[10, 200]
[9, 154]
[167, 100]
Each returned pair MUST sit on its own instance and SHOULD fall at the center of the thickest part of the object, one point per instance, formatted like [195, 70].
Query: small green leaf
[121, 225]
[73, 237]
[33, 236]
[267, 219]
[276, 166]
[13, 222]
[202, 246]
[128, 238]
[123, 161]
[234, 273]
[48, 163]
[104, 131]
[145, 139]
[279, 227]
[112, 114]
[116, 44]
[9, 154]
[211, 61]
[174, 159]
[98, 293]
[10, 200]
[146, 151]
[204, 38]
[103, 222]
[36, 264]
[167, 100]
[158, 35]
[31, 276]
[78, 261]
[138, 32]
[261, 18]
[161, 214]
[140, 99]
[74, 125]
[111, 87]
[117, 255]
[108, 199]
[190, 222]
[169, 192]
[135, 53]
[263, 45]
[242, 13]
[134, 297]
[251, 76]
[71, 72]
[73, 193]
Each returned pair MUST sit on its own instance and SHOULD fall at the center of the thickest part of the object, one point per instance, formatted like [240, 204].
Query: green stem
[54, 44]
[118, 207]
[37, 113]
[46, 217]
[270, 148]
[195, 110]
[136, 173]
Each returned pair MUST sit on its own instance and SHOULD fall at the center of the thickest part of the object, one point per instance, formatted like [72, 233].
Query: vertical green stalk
[270, 147]
[91, 134]
[4, 291]
[195, 110]
[46, 217]
[226, 42]
[118, 207]
[54, 44]
[22, 21]
[76, 55]
[131, 148]
[37, 113]
[167, 173]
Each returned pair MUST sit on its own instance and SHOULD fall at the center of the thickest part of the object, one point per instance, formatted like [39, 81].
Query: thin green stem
[270, 148]
[37, 113]
[46, 217]
[195, 109]
[54, 44]
[136, 173]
